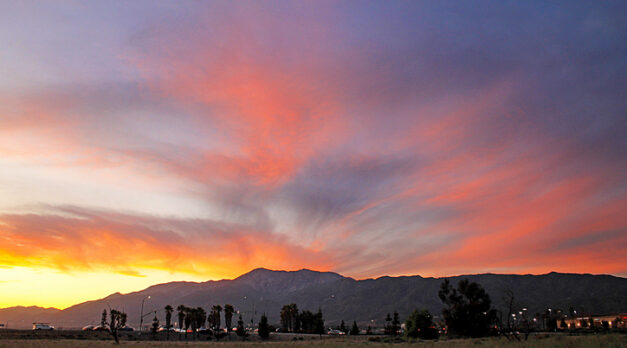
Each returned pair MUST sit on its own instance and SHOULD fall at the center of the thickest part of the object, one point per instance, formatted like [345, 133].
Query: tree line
[303, 322]
[467, 312]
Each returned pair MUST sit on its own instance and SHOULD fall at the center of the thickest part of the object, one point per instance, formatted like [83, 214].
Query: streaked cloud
[429, 138]
[70, 238]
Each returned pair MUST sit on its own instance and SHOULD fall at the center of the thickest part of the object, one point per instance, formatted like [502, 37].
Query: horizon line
[311, 270]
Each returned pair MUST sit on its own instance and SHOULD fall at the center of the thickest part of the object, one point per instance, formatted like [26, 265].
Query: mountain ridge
[340, 298]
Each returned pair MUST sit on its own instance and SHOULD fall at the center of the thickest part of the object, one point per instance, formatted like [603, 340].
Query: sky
[143, 142]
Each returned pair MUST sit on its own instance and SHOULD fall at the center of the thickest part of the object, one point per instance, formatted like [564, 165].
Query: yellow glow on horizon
[23, 286]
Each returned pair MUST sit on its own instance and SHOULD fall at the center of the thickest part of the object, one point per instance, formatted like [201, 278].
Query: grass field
[557, 341]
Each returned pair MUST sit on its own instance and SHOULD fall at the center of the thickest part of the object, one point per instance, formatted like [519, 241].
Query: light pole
[252, 311]
[141, 315]
[244, 301]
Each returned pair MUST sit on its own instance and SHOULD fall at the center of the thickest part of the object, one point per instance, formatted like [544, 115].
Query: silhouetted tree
[550, 318]
[307, 321]
[241, 331]
[508, 298]
[355, 329]
[103, 319]
[524, 322]
[215, 319]
[369, 330]
[210, 318]
[289, 318]
[189, 319]
[194, 319]
[286, 324]
[264, 330]
[388, 325]
[319, 323]
[200, 317]
[396, 324]
[168, 320]
[117, 320]
[342, 327]
[155, 327]
[537, 320]
[419, 324]
[296, 322]
[468, 311]
[228, 316]
[181, 316]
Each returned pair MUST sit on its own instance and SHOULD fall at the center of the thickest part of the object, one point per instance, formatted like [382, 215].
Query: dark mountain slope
[265, 291]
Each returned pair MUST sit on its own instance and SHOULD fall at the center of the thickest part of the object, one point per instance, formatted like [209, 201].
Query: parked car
[336, 332]
[88, 328]
[126, 328]
[163, 328]
[100, 328]
[204, 330]
[42, 326]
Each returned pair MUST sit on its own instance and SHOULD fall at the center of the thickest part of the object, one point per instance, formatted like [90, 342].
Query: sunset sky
[143, 142]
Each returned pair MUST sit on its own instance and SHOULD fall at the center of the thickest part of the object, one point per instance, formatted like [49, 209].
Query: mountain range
[340, 298]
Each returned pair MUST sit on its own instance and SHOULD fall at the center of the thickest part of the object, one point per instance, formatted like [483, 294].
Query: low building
[611, 321]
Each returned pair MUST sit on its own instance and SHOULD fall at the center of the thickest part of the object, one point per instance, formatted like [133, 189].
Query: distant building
[611, 321]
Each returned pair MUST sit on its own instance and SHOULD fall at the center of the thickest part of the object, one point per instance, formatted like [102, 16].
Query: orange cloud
[273, 116]
[122, 243]
[368, 157]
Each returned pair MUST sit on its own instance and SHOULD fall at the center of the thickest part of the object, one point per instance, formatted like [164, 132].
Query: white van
[42, 326]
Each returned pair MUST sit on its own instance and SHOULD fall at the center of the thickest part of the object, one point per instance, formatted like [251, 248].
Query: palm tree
[289, 317]
[216, 317]
[294, 316]
[168, 320]
[200, 317]
[241, 331]
[285, 319]
[189, 320]
[228, 316]
[181, 313]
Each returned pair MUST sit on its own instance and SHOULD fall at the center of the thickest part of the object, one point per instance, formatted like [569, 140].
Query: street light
[141, 315]
[252, 311]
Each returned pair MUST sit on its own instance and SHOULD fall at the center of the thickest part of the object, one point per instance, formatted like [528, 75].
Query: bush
[419, 324]
[264, 330]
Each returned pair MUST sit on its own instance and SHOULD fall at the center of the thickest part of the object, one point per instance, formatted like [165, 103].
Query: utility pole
[141, 315]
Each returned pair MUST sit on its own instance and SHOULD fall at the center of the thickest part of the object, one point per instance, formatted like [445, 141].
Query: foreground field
[557, 341]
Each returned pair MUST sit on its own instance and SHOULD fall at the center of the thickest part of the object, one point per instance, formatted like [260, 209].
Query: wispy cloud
[79, 239]
[393, 138]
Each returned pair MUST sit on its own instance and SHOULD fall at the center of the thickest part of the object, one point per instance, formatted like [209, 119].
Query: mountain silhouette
[339, 298]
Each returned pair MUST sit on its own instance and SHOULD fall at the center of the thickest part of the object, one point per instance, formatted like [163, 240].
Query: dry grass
[559, 341]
